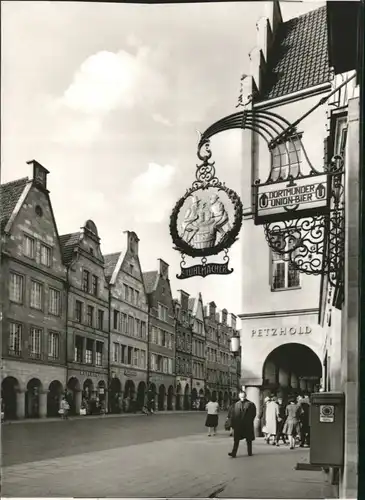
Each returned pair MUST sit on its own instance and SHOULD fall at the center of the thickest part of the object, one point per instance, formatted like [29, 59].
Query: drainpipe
[109, 347]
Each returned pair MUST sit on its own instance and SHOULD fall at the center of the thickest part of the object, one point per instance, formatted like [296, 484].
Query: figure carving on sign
[203, 221]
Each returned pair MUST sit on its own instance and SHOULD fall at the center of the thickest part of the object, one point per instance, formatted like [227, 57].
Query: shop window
[99, 353]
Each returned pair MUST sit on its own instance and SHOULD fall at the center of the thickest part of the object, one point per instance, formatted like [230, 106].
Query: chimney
[39, 174]
[224, 315]
[132, 241]
[211, 310]
[184, 300]
[163, 269]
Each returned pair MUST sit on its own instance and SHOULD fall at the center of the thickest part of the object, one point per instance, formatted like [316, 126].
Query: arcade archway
[34, 388]
[116, 395]
[170, 398]
[54, 396]
[141, 395]
[161, 397]
[187, 397]
[194, 398]
[291, 369]
[9, 389]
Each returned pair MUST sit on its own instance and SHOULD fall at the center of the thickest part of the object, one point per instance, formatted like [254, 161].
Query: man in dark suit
[305, 420]
[242, 417]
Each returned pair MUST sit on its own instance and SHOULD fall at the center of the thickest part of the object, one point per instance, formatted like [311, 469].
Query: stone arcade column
[165, 403]
[20, 404]
[78, 397]
[43, 403]
[173, 402]
[253, 394]
[283, 378]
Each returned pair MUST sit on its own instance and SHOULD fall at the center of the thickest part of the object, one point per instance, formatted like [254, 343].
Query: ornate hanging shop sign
[206, 220]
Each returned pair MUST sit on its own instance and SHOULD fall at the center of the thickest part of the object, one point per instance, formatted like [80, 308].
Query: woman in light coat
[211, 421]
[272, 415]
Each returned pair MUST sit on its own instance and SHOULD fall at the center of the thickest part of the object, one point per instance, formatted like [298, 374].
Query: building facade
[161, 369]
[87, 321]
[183, 357]
[128, 313]
[281, 339]
[33, 291]
[196, 309]
[211, 317]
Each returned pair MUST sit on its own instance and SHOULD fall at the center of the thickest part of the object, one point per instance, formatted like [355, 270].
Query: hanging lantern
[235, 345]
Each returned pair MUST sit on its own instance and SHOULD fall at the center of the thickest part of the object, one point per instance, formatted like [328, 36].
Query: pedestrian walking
[228, 422]
[262, 418]
[281, 422]
[211, 421]
[243, 416]
[304, 421]
[272, 414]
[64, 409]
[292, 424]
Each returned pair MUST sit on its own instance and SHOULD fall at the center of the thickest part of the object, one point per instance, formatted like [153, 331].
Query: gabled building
[33, 291]
[225, 357]
[196, 309]
[234, 361]
[183, 355]
[161, 369]
[128, 327]
[87, 320]
[211, 317]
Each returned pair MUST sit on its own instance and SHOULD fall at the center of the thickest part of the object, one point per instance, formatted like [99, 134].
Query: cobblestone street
[162, 456]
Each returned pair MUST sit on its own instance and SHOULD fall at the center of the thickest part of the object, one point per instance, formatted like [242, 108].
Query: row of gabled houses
[95, 328]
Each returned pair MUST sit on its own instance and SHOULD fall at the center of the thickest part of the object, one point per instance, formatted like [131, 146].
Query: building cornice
[274, 314]
[34, 267]
[295, 96]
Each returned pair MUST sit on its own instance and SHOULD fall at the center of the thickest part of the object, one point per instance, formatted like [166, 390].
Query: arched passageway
[226, 400]
[32, 398]
[187, 398]
[73, 395]
[129, 396]
[116, 400]
[141, 395]
[9, 389]
[194, 399]
[161, 397]
[220, 399]
[201, 400]
[291, 369]
[178, 397]
[214, 396]
[54, 396]
[170, 398]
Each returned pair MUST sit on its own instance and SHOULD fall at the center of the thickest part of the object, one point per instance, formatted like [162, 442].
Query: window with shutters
[16, 287]
[35, 340]
[15, 339]
[284, 275]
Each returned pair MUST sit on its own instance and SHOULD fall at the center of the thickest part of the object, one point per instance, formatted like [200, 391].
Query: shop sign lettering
[129, 373]
[273, 332]
[86, 373]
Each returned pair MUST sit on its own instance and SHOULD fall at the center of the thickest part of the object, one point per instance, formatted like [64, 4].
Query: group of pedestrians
[289, 422]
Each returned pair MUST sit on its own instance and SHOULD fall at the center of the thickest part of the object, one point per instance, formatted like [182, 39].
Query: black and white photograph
[181, 249]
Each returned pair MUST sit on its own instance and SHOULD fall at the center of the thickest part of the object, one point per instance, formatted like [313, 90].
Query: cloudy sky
[108, 97]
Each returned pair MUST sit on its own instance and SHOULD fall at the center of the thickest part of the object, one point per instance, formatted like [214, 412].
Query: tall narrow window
[115, 352]
[100, 319]
[53, 345]
[36, 295]
[85, 280]
[284, 275]
[35, 338]
[138, 327]
[135, 357]
[143, 360]
[79, 346]
[15, 339]
[29, 247]
[45, 255]
[16, 288]
[99, 353]
[126, 293]
[123, 321]
[90, 316]
[78, 311]
[94, 285]
[123, 354]
[130, 355]
[143, 330]
[130, 325]
[89, 351]
[54, 302]
[116, 319]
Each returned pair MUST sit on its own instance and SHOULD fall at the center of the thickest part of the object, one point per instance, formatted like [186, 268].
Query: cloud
[150, 196]
[161, 119]
[109, 80]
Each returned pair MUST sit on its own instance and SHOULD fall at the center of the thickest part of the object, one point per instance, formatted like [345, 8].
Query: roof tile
[110, 261]
[9, 197]
[299, 57]
[68, 244]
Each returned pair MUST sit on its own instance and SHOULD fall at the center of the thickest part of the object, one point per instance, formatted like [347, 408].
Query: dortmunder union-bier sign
[289, 200]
